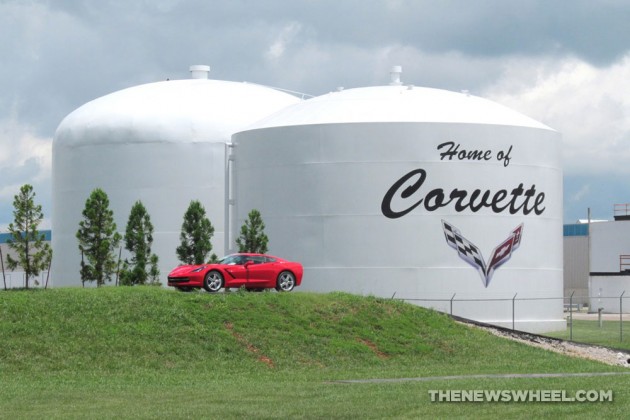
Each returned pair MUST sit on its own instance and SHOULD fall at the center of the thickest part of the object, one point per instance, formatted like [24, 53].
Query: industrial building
[597, 262]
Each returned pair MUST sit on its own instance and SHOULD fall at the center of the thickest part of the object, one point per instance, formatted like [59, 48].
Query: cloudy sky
[565, 63]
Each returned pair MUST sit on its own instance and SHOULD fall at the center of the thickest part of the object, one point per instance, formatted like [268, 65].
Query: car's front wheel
[213, 282]
[286, 282]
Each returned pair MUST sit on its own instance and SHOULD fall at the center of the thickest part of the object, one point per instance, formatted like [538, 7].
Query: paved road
[593, 317]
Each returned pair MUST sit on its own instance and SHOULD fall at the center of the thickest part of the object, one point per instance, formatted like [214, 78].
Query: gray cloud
[60, 54]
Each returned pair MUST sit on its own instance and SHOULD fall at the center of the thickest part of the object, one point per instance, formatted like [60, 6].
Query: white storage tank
[437, 197]
[162, 143]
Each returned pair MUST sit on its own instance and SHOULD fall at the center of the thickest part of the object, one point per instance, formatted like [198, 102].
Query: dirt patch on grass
[249, 346]
[373, 347]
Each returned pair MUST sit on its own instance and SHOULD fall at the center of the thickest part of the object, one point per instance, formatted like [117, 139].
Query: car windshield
[233, 259]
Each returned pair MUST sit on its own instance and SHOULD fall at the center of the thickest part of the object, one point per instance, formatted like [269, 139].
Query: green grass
[609, 334]
[154, 353]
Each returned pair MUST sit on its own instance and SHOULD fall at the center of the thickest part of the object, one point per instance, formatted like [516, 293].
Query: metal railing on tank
[621, 211]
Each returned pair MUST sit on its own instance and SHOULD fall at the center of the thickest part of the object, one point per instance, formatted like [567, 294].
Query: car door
[237, 272]
[260, 272]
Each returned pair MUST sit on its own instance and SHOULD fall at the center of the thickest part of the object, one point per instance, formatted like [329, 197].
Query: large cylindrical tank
[162, 143]
[443, 199]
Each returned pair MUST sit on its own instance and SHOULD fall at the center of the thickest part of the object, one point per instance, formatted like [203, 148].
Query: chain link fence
[17, 280]
[604, 320]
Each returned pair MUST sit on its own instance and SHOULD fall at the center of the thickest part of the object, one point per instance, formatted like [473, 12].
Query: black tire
[285, 282]
[213, 281]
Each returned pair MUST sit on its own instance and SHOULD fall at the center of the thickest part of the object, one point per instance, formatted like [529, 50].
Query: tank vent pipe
[394, 74]
[199, 71]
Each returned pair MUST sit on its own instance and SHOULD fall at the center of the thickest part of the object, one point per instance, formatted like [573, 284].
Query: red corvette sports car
[254, 271]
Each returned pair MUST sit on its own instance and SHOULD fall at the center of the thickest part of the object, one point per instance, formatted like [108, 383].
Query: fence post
[452, 303]
[3, 276]
[571, 316]
[48, 273]
[118, 269]
[621, 316]
[513, 300]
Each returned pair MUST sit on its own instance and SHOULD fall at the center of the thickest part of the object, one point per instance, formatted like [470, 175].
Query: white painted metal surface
[362, 185]
[609, 240]
[162, 143]
[609, 293]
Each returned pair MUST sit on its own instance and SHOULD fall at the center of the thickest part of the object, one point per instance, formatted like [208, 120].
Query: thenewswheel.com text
[524, 395]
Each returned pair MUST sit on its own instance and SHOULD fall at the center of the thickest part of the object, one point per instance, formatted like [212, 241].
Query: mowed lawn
[145, 352]
[611, 333]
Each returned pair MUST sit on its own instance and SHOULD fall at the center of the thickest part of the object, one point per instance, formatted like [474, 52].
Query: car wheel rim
[286, 281]
[214, 282]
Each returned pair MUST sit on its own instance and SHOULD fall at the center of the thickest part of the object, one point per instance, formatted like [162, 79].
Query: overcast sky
[565, 63]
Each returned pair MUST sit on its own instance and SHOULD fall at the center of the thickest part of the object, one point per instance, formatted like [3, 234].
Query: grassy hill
[150, 352]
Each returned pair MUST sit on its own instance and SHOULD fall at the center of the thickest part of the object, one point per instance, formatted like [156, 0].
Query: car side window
[257, 260]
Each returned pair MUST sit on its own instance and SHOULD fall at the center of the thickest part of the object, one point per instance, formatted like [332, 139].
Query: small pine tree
[33, 254]
[138, 241]
[195, 237]
[253, 238]
[98, 239]
[154, 272]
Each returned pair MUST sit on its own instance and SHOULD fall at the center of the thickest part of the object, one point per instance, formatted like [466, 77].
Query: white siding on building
[609, 240]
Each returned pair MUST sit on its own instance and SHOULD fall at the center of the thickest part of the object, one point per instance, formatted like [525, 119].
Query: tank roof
[187, 110]
[397, 104]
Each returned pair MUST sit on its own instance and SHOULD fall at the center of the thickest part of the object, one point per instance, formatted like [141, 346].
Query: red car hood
[183, 269]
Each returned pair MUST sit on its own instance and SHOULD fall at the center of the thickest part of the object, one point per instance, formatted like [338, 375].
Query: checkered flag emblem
[470, 253]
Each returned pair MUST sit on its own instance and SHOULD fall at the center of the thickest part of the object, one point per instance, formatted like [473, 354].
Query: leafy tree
[253, 238]
[33, 254]
[138, 241]
[197, 231]
[97, 239]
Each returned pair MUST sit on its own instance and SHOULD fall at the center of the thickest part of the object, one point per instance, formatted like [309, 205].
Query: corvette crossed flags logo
[472, 255]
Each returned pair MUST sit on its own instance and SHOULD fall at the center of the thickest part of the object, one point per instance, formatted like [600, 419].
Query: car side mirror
[248, 263]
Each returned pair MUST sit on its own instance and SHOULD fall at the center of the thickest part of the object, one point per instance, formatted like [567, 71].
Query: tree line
[99, 240]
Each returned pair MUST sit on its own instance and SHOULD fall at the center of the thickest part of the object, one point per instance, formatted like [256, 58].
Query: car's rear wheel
[213, 282]
[285, 282]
